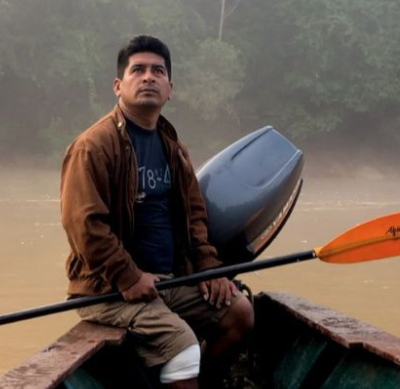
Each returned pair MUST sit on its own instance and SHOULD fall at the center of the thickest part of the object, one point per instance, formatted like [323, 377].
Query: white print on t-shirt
[151, 178]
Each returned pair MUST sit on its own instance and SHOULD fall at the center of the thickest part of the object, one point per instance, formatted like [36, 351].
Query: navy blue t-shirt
[153, 248]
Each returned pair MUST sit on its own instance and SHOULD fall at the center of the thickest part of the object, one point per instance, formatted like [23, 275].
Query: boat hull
[295, 344]
[300, 345]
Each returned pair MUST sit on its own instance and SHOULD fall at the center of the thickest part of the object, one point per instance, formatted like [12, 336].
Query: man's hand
[143, 290]
[218, 291]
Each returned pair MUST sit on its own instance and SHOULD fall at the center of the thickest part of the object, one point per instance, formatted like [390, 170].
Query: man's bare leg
[220, 347]
[233, 328]
[184, 384]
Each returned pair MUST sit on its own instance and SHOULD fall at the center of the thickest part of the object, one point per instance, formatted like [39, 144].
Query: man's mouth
[148, 90]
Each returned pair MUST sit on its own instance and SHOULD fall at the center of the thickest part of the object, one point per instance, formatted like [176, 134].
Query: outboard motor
[250, 189]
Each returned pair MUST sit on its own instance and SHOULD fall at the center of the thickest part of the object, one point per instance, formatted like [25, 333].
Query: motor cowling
[250, 189]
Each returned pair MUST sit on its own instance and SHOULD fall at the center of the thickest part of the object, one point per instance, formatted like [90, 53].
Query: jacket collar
[163, 124]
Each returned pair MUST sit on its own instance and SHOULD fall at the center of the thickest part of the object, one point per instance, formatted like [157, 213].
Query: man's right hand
[143, 290]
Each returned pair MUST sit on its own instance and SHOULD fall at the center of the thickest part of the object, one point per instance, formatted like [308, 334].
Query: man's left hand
[218, 292]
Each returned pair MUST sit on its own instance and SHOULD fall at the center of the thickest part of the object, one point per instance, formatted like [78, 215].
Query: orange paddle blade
[375, 239]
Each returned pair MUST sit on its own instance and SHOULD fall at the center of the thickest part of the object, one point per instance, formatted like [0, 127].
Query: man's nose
[148, 75]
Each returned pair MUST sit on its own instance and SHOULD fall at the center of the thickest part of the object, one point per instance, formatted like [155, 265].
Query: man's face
[145, 83]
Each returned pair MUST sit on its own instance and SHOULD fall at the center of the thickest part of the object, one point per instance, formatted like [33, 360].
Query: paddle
[376, 239]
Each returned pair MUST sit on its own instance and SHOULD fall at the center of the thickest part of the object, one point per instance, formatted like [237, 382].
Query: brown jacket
[98, 190]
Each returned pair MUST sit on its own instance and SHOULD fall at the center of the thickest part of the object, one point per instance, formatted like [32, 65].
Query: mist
[325, 74]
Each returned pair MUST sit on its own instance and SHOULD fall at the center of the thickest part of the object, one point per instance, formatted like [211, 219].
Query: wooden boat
[295, 344]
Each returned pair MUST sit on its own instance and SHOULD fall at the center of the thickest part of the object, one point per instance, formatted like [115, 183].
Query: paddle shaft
[192, 279]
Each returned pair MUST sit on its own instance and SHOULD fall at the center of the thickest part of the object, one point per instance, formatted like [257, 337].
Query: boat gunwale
[340, 328]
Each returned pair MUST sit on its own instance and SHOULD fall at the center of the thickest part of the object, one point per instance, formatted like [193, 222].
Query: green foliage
[349, 51]
[344, 67]
[308, 67]
[342, 58]
[213, 78]
[173, 20]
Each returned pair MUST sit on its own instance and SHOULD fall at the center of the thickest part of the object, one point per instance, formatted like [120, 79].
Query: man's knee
[184, 366]
[239, 318]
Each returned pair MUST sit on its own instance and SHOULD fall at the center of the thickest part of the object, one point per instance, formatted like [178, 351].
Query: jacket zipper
[132, 192]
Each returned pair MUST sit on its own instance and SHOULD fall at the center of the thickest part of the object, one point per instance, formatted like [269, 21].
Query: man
[133, 214]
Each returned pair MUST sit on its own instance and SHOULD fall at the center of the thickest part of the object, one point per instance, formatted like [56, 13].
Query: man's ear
[170, 91]
[116, 86]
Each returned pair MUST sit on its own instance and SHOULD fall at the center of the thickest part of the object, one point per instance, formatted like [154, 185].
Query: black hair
[142, 44]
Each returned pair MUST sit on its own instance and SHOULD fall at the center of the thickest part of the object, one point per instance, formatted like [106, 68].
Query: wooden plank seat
[48, 368]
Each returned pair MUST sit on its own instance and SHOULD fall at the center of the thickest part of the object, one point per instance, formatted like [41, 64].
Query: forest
[323, 72]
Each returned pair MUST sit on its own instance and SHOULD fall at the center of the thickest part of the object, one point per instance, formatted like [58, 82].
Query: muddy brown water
[33, 249]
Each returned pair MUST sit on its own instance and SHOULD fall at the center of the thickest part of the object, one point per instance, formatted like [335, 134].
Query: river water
[33, 249]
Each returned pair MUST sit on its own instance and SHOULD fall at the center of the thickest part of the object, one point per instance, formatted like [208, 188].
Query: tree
[213, 76]
[309, 67]
[317, 66]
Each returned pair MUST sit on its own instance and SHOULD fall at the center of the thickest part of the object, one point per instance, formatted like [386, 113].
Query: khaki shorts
[163, 327]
